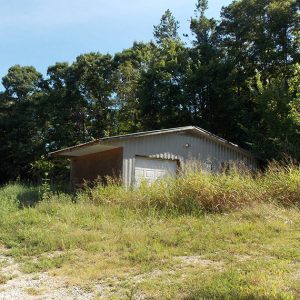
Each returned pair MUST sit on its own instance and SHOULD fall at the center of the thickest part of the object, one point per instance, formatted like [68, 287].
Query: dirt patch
[197, 260]
[42, 286]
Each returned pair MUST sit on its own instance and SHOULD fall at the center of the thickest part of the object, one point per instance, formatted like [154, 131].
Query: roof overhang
[82, 150]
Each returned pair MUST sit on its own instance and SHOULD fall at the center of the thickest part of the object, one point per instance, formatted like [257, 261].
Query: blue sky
[42, 32]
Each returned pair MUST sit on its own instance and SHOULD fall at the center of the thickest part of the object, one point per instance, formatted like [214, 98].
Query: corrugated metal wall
[182, 147]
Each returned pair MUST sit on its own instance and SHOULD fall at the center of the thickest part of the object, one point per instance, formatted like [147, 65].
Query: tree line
[238, 77]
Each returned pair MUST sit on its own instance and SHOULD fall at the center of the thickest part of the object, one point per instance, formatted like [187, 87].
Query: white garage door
[151, 169]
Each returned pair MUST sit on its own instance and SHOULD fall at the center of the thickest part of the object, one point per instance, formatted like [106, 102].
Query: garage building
[151, 155]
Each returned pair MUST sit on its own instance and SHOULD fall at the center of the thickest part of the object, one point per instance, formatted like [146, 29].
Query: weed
[33, 291]
[3, 279]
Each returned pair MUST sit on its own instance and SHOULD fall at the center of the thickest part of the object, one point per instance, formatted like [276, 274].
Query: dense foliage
[239, 78]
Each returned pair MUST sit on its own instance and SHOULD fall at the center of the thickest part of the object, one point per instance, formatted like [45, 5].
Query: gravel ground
[20, 286]
[16, 285]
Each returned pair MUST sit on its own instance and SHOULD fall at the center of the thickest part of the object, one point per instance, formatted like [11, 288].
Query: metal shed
[151, 155]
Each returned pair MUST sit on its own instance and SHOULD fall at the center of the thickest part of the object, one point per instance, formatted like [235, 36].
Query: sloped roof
[103, 143]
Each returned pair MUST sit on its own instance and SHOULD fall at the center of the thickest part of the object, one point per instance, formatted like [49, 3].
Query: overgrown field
[228, 236]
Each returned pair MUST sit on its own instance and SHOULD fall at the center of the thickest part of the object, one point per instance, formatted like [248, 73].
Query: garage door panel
[139, 172]
[161, 173]
[149, 170]
[150, 174]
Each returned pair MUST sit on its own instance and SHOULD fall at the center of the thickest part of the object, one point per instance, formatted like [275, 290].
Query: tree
[167, 29]
[294, 105]
[261, 34]
[257, 36]
[95, 75]
[274, 132]
[130, 64]
[63, 109]
[160, 88]
[208, 86]
[21, 139]
[21, 83]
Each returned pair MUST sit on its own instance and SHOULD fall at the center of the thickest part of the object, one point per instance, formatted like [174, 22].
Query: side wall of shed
[182, 147]
[89, 167]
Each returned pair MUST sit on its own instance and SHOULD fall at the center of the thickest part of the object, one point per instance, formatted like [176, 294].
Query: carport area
[96, 166]
[91, 161]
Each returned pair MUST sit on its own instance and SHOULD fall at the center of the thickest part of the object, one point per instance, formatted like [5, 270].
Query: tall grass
[192, 191]
[201, 192]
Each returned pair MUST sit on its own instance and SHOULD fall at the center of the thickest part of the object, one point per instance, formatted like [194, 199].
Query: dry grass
[34, 292]
[3, 279]
[201, 192]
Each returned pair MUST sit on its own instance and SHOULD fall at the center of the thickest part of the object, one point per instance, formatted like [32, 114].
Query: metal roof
[103, 143]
